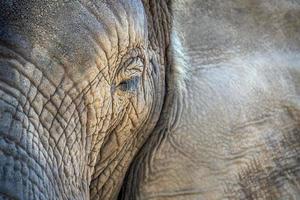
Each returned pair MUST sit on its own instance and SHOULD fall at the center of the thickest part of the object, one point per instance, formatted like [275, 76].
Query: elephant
[234, 131]
[82, 85]
[128, 99]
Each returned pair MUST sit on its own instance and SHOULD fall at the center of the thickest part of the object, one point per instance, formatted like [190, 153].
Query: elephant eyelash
[130, 74]
[130, 71]
[129, 84]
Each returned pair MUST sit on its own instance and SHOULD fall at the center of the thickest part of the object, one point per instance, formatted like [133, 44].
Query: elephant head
[82, 84]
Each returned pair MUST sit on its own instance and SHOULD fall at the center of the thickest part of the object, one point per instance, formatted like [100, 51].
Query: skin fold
[99, 100]
[235, 131]
[81, 87]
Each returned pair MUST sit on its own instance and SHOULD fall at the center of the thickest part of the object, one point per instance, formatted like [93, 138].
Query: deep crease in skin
[25, 150]
[38, 91]
[76, 107]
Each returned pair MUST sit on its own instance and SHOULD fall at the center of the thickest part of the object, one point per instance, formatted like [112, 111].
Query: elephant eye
[129, 85]
[130, 74]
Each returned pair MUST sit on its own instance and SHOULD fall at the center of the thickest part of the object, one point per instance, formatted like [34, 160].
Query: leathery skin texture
[81, 87]
[98, 97]
[235, 131]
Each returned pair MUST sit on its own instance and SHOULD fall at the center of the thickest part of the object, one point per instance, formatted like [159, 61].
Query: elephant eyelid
[135, 64]
[130, 72]
[133, 61]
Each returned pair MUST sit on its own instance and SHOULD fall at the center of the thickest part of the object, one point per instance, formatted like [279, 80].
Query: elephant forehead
[77, 33]
[111, 24]
[100, 30]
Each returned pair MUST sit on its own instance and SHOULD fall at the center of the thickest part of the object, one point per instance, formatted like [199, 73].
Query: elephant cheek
[19, 170]
[32, 140]
[23, 166]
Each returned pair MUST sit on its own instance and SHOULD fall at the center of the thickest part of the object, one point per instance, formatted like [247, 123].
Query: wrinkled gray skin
[82, 88]
[236, 134]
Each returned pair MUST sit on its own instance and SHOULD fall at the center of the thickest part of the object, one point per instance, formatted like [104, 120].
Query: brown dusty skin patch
[274, 181]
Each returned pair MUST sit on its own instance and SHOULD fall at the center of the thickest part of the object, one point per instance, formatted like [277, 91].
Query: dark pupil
[130, 84]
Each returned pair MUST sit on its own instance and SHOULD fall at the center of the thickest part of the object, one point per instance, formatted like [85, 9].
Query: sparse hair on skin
[292, 104]
[179, 61]
[176, 80]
